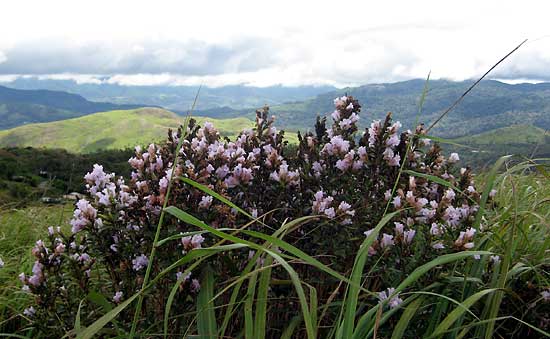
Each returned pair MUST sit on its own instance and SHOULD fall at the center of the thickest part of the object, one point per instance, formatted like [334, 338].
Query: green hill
[19, 107]
[108, 130]
[516, 134]
[485, 148]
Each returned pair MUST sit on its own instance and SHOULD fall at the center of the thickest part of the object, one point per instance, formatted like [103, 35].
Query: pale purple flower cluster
[323, 204]
[286, 177]
[107, 191]
[140, 262]
[191, 242]
[205, 203]
[465, 239]
[394, 299]
[84, 215]
[30, 312]
[117, 298]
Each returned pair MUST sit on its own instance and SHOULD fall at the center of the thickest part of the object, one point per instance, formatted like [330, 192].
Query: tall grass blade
[459, 311]
[261, 301]
[215, 195]
[186, 217]
[408, 314]
[206, 316]
[161, 218]
[350, 305]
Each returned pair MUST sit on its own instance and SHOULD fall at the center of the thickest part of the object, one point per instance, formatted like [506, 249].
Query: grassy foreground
[19, 230]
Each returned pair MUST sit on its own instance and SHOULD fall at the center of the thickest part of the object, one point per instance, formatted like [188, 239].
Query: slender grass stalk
[472, 87]
[161, 218]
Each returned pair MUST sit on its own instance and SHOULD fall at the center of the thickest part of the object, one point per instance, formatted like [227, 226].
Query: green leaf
[215, 195]
[99, 299]
[413, 277]
[206, 316]
[489, 182]
[186, 217]
[248, 307]
[187, 234]
[352, 295]
[90, 331]
[77, 319]
[289, 330]
[261, 300]
[459, 311]
[408, 314]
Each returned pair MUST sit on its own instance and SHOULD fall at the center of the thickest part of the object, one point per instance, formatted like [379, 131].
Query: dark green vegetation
[178, 98]
[18, 107]
[27, 174]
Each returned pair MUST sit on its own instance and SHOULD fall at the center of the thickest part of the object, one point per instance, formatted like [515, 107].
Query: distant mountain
[177, 98]
[19, 107]
[489, 106]
[108, 130]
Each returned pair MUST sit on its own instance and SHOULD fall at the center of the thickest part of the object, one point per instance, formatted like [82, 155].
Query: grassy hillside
[516, 134]
[485, 148]
[19, 107]
[108, 130]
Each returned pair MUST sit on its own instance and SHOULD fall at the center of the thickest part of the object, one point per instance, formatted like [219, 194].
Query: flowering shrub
[349, 179]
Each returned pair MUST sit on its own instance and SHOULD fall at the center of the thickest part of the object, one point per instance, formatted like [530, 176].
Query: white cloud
[283, 42]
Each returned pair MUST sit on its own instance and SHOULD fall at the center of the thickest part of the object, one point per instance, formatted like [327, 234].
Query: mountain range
[19, 107]
[176, 98]
[490, 105]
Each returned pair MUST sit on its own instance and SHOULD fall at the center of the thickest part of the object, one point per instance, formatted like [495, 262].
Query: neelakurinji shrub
[349, 179]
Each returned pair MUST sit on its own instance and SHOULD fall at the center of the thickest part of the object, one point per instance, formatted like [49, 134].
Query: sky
[259, 43]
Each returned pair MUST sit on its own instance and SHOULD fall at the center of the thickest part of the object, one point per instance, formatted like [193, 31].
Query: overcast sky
[277, 42]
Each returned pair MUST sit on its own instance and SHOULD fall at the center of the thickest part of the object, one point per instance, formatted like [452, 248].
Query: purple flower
[399, 228]
[140, 262]
[330, 212]
[387, 240]
[84, 215]
[118, 296]
[397, 201]
[438, 246]
[449, 194]
[205, 202]
[454, 158]
[29, 312]
[394, 300]
[408, 236]
[195, 286]
[192, 242]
